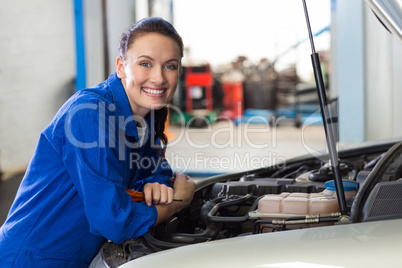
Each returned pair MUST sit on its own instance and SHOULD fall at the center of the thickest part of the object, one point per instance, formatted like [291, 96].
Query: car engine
[297, 195]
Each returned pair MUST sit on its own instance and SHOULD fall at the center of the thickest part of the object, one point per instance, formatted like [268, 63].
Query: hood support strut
[327, 120]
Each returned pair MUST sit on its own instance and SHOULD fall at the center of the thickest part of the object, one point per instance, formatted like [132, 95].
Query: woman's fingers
[156, 193]
[148, 195]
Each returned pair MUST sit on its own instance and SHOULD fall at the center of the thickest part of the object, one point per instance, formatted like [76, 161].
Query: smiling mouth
[153, 91]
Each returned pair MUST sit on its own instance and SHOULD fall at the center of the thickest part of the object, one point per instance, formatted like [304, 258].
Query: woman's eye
[171, 67]
[145, 64]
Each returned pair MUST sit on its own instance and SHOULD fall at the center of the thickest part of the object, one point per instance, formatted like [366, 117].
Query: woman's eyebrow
[152, 59]
[145, 56]
[173, 59]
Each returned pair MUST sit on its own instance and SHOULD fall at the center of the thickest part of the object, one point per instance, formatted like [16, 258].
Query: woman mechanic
[101, 142]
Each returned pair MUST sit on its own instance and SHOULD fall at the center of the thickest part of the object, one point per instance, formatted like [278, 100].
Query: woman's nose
[158, 76]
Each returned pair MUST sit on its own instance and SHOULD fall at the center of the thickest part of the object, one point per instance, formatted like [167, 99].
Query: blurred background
[246, 66]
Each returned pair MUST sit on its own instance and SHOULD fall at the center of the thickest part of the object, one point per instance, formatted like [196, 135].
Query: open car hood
[389, 12]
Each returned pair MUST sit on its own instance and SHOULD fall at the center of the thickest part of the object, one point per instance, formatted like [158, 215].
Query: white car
[289, 216]
[222, 227]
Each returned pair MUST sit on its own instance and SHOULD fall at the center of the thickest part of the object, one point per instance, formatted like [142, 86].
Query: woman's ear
[120, 70]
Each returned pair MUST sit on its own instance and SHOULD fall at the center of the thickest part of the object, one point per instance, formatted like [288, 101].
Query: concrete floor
[225, 147]
[221, 148]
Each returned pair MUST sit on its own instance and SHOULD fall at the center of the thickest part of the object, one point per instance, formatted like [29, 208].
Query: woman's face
[150, 72]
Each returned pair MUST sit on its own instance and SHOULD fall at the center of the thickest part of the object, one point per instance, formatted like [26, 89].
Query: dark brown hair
[160, 26]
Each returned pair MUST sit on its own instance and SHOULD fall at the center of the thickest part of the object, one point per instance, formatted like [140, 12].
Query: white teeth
[153, 91]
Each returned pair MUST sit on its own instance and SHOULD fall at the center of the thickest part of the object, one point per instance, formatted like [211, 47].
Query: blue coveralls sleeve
[72, 197]
[96, 171]
[163, 179]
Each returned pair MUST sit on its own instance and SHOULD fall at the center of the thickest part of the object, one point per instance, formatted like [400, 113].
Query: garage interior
[51, 49]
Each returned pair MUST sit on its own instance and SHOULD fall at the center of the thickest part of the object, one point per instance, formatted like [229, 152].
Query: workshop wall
[94, 42]
[36, 72]
[103, 27]
[38, 62]
[366, 73]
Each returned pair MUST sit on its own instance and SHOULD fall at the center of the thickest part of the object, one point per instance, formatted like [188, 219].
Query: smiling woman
[150, 72]
[73, 196]
[152, 29]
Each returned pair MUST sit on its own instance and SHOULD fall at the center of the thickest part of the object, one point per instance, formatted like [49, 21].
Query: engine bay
[303, 193]
[241, 204]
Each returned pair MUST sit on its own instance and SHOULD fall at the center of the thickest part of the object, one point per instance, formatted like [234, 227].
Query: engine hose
[207, 207]
[159, 245]
[212, 229]
[296, 172]
[295, 220]
[257, 225]
[287, 169]
[317, 216]
[181, 239]
[210, 233]
[305, 220]
[211, 215]
[329, 219]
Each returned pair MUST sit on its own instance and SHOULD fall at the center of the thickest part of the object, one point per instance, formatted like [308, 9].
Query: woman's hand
[183, 188]
[156, 193]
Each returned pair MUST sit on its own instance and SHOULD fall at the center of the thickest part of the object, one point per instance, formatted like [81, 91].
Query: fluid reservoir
[303, 203]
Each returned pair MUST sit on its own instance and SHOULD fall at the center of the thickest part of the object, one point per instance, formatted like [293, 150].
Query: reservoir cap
[348, 185]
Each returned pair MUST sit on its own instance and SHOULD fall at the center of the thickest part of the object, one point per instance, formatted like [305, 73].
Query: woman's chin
[158, 106]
